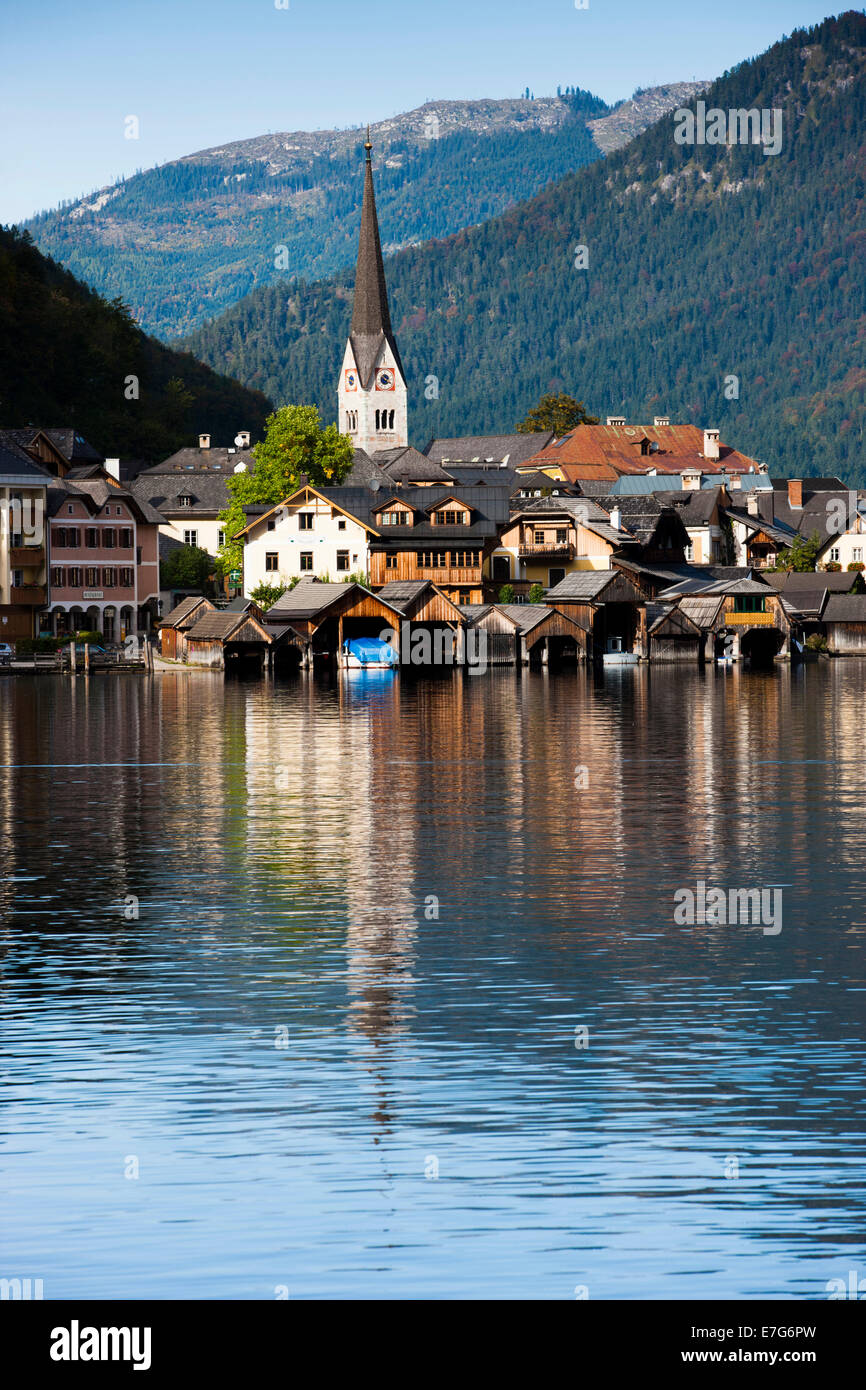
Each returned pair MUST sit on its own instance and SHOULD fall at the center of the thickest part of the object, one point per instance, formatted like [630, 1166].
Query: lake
[374, 988]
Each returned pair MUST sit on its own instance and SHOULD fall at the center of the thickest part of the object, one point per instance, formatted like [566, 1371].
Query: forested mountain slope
[183, 242]
[67, 357]
[706, 263]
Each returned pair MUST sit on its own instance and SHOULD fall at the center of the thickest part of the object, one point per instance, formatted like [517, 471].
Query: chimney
[112, 466]
[660, 420]
[711, 444]
[242, 439]
[204, 441]
[795, 492]
[691, 479]
[616, 519]
[752, 502]
[736, 482]
[616, 419]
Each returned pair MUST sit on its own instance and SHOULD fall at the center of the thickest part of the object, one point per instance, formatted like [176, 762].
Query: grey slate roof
[209, 492]
[525, 615]
[582, 585]
[365, 472]
[198, 461]
[845, 608]
[213, 627]
[407, 465]
[793, 582]
[808, 602]
[474, 611]
[97, 493]
[19, 466]
[182, 612]
[513, 449]
[401, 592]
[702, 611]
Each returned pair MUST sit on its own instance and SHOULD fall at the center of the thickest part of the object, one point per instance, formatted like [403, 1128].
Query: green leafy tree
[536, 593]
[266, 595]
[559, 413]
[802, 554]
[506, 593]
[295, 446]
[188, 567]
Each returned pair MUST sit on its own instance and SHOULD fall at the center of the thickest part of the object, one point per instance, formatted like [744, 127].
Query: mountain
[184, 242]
[707, 263]
[68, 357]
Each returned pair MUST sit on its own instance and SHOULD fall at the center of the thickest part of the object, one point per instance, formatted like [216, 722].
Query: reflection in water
[370, 916]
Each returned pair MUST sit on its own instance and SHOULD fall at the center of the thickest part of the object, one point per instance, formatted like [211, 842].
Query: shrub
[506, 593]
[817, 643]
[536, 593]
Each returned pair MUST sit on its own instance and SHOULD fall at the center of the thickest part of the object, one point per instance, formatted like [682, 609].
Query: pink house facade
[103, 561]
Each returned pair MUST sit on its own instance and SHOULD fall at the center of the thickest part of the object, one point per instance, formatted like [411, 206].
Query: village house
[313, 533]
[104, 559]
[605, 452]
[548, 537]
[189, 490]
[23, 546]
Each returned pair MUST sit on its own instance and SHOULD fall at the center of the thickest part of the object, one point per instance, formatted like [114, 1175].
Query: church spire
[371, 317]
[373, 398]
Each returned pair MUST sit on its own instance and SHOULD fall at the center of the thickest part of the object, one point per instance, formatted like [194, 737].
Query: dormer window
[451, 518]
[394, 518]
[185, 500]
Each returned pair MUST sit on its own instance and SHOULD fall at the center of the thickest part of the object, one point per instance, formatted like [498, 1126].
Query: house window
[341, 525]
[834, 553]
[858, 552]
[394, 518]
[138, 554]
[58, 577]
[109, 537]
[74, 578]
[118, 511]
[343, 561]
[561, 535]
[109, 579]
[127, 578]
[272, 562]
[390, 562]
[221, 539]
[306, 561]
[92, 579]
[70, 510]
[466, 559]
[555, 576]
[126, 537]
[450, 518]
[272, 523]
[190, 538]
[748, 603]
[184, 500]
[91, 537]
[305, 521]
[17, 579]
[432, 559]
[539, 538]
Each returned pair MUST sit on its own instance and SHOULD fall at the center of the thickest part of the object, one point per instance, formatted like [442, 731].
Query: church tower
[372, 392]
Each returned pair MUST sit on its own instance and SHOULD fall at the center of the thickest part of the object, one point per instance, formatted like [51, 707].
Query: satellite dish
[375, 484]
[240, 441]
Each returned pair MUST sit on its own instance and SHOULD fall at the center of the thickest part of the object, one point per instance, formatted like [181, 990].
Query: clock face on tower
[385, 379]
[351, 380]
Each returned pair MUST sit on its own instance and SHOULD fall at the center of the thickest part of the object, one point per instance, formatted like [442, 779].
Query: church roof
[371, 317]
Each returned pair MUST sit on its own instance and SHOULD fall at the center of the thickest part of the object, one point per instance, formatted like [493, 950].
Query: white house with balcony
[310, 535]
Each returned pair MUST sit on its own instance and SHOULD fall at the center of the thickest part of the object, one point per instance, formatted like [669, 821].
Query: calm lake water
[371, 917]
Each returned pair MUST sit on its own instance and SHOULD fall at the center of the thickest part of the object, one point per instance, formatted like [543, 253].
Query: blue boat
[368, 653]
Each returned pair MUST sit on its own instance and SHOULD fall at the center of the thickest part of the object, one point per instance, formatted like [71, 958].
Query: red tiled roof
[618, 448]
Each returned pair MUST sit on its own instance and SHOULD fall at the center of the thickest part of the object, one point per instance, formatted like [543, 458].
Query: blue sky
[204, 72]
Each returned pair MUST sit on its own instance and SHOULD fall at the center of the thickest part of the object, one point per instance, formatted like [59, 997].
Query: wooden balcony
[26, 556]
[28, 595]
[530, 551]
[750, 619]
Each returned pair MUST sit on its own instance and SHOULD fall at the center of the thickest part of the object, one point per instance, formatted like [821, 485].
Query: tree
[188, 567]
[536, 593]
[295, 447]
[802, 554]
[266, 595]
[558, 413]
[506, 593]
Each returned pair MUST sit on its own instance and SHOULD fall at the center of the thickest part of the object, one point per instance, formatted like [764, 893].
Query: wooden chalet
[528, 633]
[607, 605]
[228, 641]
[844, 623]
[175, 626]
[317, 618]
